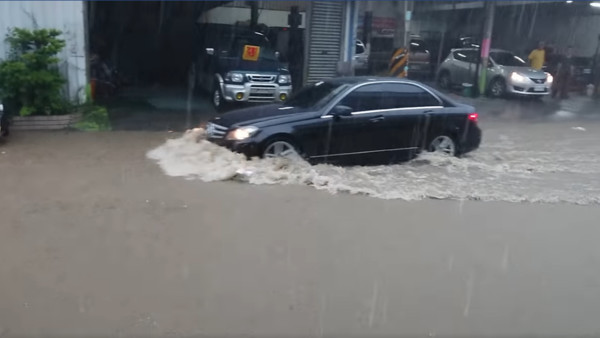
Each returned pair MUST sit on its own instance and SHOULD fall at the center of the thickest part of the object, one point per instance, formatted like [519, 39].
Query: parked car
[236, 64]
[354, 120]
[419, 59]
[507, 73]
[582, 76]
[361, 57]
[448, 45]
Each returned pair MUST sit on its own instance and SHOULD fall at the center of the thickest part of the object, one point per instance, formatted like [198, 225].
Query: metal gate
[325, 39]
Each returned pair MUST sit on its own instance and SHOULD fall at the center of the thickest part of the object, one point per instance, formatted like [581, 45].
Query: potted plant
[31, 82]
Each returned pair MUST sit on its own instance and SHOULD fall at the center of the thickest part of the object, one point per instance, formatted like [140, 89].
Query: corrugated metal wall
[67, 16]
[325, 29]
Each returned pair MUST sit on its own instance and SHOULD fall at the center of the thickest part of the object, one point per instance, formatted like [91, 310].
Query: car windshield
[507, 59]
[316, 96]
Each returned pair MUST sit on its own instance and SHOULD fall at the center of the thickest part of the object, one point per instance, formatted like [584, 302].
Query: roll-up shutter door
[325, 40]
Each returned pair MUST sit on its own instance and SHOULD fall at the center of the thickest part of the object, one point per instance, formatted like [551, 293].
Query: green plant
[94, 118]
[30, 76]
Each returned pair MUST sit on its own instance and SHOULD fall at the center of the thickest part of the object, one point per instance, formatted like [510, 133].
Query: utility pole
[407, 17]
[488, 27]
[368, 33]
[253, 13]
[295, 54]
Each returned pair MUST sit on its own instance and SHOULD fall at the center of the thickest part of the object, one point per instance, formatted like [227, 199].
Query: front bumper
[248, 147]
[528, 88]
[256, 92]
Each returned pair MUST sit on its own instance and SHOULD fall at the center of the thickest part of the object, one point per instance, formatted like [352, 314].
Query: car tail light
[473, 117]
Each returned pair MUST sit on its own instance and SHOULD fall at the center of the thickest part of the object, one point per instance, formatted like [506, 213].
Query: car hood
[260, 115]
[526, 71]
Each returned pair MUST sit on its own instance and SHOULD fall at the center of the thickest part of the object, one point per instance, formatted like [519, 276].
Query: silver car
[507, 73]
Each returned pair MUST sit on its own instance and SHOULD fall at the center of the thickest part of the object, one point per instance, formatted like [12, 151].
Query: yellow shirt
[537, 57]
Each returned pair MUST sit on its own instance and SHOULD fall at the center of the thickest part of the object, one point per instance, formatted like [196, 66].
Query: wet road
[96, 240]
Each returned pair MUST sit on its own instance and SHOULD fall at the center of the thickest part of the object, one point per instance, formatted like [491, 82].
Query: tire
[217, 100]
[497, 88]
[280, 147]
[444, 80]
[445, 144]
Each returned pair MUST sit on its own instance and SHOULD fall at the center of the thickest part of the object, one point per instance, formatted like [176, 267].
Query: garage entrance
[142, 53]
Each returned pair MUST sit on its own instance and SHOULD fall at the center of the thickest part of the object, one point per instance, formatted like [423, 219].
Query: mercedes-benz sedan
[352, 120]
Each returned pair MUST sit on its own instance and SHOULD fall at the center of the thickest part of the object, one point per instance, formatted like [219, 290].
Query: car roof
[367, 79]
[493, 50]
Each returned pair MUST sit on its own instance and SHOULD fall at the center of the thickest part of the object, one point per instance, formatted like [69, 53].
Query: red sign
[251, 53]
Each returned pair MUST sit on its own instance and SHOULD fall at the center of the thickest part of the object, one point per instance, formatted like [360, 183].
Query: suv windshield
[507, 59]
[316, 95]
[233, 46]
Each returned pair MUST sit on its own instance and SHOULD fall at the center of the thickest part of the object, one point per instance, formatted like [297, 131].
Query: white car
[506, 74]
[361, 56]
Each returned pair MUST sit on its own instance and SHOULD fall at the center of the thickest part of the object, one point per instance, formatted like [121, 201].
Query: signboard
[381, 26]
[251, 53]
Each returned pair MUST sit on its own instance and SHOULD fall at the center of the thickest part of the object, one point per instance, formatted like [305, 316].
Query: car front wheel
[280, 148]
[497, 88]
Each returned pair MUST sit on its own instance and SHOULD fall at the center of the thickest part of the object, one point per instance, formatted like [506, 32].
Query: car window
[364, 98]
[418, 46]
[507, 59]
[316, 96]
[460, 55]
[388, 96]
[359, 48]
[470, 56]
[408, 95]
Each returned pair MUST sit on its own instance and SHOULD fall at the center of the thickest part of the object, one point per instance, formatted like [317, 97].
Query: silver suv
[507, 73]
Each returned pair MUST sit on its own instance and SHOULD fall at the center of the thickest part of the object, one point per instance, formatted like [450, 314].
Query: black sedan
[353, 120]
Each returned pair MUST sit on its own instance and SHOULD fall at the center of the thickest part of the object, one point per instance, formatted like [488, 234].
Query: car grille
[538, 81]
[261, 93]
[261, 78]
[215, 131]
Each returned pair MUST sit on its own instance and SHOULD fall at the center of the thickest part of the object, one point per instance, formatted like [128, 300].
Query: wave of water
[509, 169]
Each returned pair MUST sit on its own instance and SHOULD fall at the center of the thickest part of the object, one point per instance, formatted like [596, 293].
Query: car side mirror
[339, 111]
[210, 51]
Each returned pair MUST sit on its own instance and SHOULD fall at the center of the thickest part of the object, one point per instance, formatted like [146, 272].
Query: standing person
[564, 72]
[537, 57]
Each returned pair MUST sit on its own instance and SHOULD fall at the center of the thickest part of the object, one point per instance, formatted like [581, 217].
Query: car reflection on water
[353, 120]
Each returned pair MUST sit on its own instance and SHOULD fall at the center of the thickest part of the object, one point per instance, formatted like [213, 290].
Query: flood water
[529, 162]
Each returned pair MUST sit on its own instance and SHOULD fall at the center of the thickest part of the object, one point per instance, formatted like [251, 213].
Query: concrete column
[345, 66]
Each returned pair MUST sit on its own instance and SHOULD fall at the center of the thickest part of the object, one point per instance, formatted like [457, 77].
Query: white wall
[68, 16]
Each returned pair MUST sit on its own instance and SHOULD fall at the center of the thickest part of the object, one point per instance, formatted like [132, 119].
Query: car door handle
[428, 112]
[377, 118]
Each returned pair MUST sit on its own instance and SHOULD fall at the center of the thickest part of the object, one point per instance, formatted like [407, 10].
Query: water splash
[506, 170]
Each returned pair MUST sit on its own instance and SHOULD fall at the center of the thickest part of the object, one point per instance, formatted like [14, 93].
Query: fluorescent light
[569, 1]
[595, 4]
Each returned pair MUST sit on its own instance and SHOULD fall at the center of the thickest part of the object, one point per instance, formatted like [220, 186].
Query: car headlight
[517, 77]
[241, 133]
[235, 77]
[549, 78]
[284, 79]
